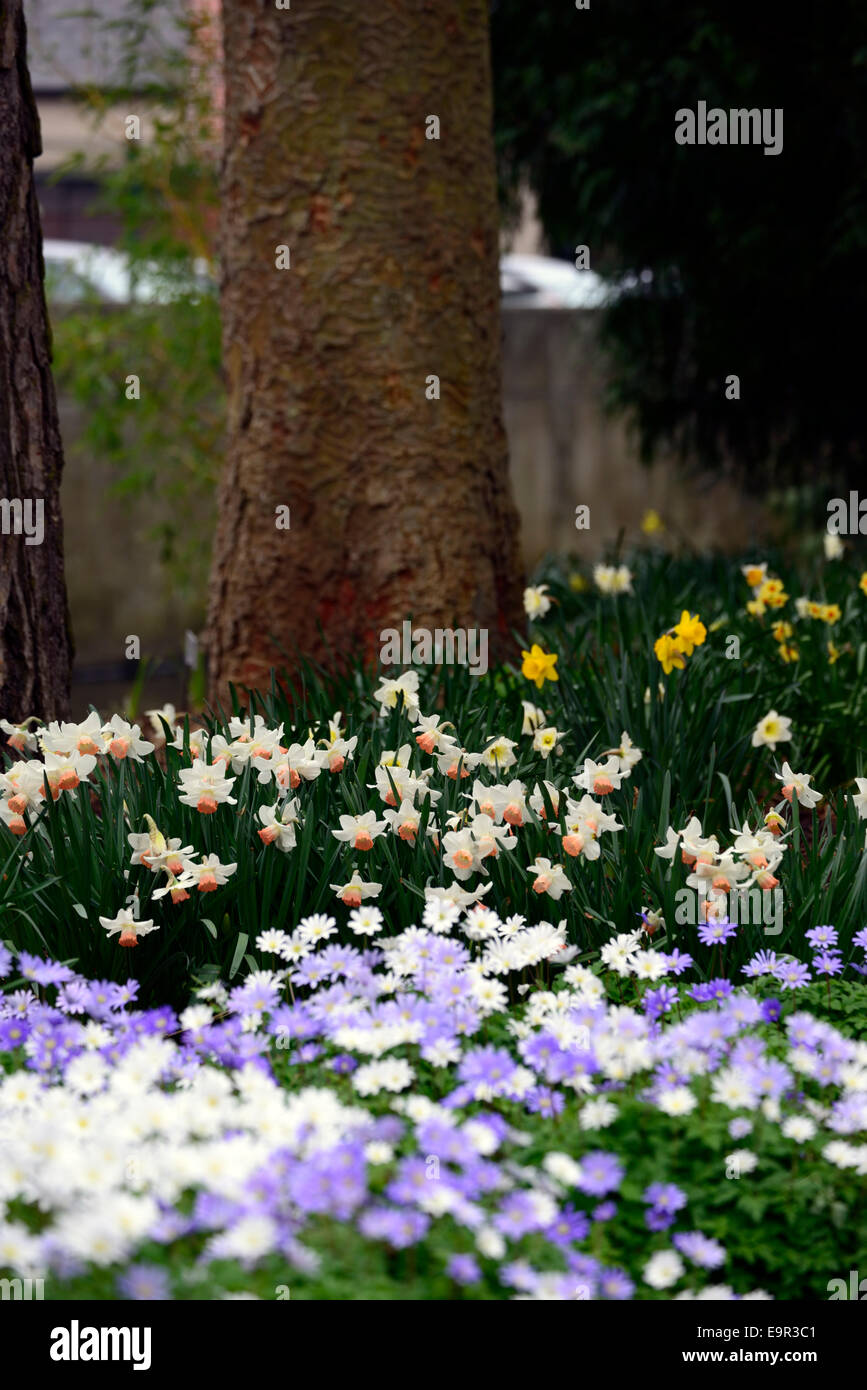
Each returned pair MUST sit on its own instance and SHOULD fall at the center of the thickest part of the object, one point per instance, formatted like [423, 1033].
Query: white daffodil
[773, 729]
[536, 601]
[612, 579]
[833, 546]
[859, 798]
[547, 741]
[533, 717]
[399, 693]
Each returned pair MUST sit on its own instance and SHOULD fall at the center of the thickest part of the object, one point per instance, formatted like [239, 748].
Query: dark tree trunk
[399, 505]
[35, 641]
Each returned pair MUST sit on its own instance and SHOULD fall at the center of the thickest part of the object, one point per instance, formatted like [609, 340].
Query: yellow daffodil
[782, 630]
[578, 584]
[788, 652]
[690, 632]
[755, 575]
[669, 654]
[773, 594]
[862, 583]
[815, 609]
[831, 613]
[651, 522]
[756, 607]
[833, 654]
[538, 666]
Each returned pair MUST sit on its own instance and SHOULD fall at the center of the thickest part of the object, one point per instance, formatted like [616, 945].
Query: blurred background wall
[565, 450]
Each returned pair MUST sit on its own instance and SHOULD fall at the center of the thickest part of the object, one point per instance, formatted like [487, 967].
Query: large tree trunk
[35, 641]
[399, 505]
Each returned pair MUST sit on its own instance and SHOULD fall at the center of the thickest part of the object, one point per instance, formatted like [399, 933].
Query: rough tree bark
[399, 505]
[35, 641]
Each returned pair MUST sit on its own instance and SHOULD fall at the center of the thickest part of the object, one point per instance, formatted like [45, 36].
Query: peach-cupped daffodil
[360, 831]
[500, 802]
[430, 733]
[405, 820]
[799, 784]
[85, 738]
[353, 892]
[156, 853]
[23, 786]
[206, 787]
[211, 874]
[600, 779]
[279, 827]
[20, 737]
[129, 927]
[549, 878]
[124, 740]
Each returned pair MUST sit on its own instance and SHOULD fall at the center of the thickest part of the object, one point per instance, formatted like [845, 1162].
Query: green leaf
[240, 948]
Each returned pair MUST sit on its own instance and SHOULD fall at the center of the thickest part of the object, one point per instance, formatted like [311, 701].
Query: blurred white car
[540, 282]
[76, 271]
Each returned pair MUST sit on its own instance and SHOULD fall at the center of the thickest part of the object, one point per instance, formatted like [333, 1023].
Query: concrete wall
[566, 450]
